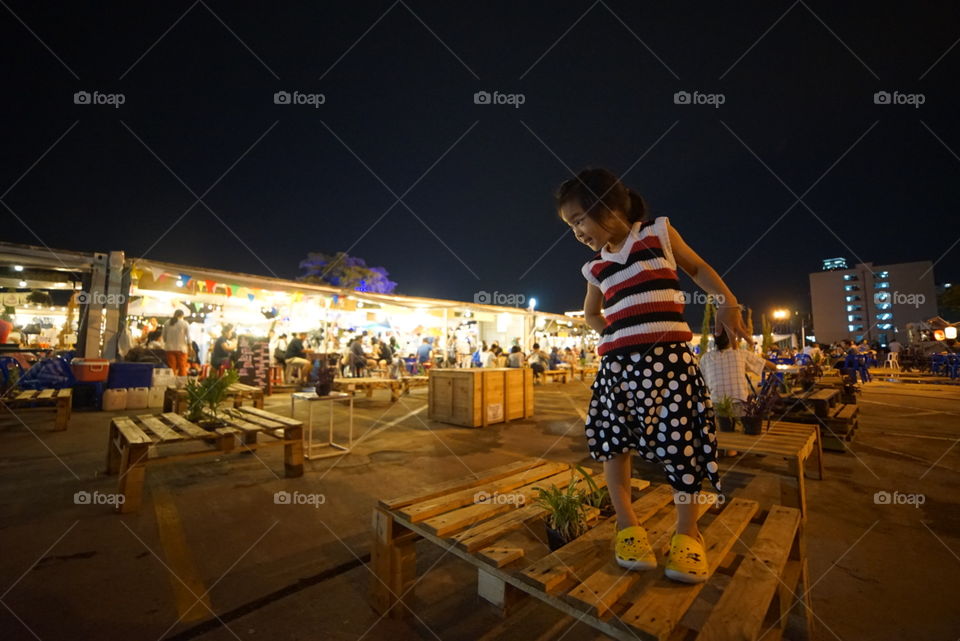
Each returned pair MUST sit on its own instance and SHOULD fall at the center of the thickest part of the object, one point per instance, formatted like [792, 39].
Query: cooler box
[130, 375]
[90, 370]
[114, 399]
[138, 398]
[156, 396]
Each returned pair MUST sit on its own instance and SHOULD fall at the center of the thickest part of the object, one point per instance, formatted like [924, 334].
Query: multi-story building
[870, 301]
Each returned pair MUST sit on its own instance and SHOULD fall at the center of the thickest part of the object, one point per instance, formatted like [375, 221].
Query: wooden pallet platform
[758, 559]
[59, 400]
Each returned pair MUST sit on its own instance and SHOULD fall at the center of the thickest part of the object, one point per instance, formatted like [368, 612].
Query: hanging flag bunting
[234, 290]
[157, 273]
[211, 285]
[185, 278]
[250, 297]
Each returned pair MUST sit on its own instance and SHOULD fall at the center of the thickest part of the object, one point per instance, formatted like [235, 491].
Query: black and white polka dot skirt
[655, 403]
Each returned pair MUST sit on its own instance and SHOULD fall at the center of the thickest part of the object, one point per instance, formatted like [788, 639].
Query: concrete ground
[210, 528]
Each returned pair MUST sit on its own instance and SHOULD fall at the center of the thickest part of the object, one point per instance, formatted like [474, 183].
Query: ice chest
[90, 370]
[477, 397]
[130, 375]
[138, 398]
[114, 399]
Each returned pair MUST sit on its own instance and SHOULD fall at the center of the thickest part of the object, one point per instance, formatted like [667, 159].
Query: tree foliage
[348, 272]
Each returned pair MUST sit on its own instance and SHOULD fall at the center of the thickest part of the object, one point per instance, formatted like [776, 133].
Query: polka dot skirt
[655, 403]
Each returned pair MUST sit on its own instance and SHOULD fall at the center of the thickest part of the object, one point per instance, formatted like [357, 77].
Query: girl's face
[590, 232]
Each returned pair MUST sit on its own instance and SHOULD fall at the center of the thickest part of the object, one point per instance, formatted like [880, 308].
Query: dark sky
[598, 82]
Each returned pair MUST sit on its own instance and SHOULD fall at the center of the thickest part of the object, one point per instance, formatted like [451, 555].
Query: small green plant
[724, 407]
[566, 508]
[204, 397]
[598, 497]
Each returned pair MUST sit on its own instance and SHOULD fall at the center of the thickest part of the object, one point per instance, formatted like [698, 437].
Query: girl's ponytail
[639, 210]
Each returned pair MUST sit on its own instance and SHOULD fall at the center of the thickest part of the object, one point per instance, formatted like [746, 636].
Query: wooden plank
[244, 425]
[156, 426]
[46, 394]
[500, 556]
[65, 392]
[26, 395]
[270, 416]
[460, 483]
[755, 581]
[431, 507]
[456, 520]
[659, 609]
[263, 423]
[185, 426]
[130, 431]
[551, 571]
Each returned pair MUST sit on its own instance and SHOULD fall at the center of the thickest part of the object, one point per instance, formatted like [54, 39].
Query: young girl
[649, 395]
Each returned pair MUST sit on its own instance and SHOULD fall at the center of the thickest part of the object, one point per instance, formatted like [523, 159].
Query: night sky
[598, 82]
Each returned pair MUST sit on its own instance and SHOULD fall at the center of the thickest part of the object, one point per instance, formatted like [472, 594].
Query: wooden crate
[478, 397]
[762, 572]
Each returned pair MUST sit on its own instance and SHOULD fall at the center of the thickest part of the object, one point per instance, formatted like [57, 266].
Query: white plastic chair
[892, 362]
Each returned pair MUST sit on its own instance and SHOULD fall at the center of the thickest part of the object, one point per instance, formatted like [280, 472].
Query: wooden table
[397, 386]
[135, 442]
[557, 374]
[584, 371]
[581, 579]
[795, 442]
[175, 398]
[59, 400]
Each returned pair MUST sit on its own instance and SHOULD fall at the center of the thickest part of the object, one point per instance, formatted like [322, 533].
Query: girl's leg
[686, 513]
[617, 473]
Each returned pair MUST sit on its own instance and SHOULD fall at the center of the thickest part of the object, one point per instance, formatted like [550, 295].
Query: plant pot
[752, 424]
[725, 423]
[323, 389]
[210, 424]
[555, 540]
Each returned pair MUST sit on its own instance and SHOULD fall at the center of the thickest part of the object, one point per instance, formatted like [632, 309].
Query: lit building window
[883, 306]
[882, 285]
[854, 308]
[854, 328]
[885, 316]
[853, 298]
[883, 274]
[850, 277]
[851, 288]
[885, 326]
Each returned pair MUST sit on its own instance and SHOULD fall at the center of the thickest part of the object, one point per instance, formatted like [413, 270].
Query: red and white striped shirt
[642, 301]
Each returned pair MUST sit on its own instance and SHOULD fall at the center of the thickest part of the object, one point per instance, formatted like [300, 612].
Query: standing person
[223, 348]
[464, 352]
[424, 352]
[649, 395]
[280, 351]
[358, 358]
[176, 343]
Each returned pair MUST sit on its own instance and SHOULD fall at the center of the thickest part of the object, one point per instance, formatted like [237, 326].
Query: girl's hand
[730, 320]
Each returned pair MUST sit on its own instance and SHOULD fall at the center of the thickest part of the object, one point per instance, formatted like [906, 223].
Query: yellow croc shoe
[688, 559]
[633, 550]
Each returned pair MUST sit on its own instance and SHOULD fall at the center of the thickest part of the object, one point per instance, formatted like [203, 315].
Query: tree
[348, 272]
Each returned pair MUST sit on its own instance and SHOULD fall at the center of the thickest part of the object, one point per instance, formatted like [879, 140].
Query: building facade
[871, 301]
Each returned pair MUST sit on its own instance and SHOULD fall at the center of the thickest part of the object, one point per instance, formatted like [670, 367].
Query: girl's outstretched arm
[728, 309]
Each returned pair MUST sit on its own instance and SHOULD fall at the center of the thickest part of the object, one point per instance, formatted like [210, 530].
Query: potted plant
[597, 497]
[204, 398]
[758, 406]
[725, 414]
[566, 512]
[325, 376]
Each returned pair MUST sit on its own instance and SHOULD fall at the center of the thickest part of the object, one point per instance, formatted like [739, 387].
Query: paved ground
[210, 527]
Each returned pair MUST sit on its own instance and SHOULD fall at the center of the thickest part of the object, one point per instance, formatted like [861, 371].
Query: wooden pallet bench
[397, 386]
[757, 558]
[175, 398]
[794, 442]
[583, 372]
[58, 400]
[135, 442]
[558, 375]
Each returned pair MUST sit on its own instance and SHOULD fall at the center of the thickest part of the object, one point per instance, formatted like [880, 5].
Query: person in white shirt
[176, 342]
[724, 371]
[894, 346]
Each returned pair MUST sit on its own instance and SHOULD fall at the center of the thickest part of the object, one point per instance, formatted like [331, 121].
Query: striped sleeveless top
[642, 301]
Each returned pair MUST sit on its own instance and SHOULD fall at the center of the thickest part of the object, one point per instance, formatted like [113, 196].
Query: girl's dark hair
[177, 315]
[600, 193]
